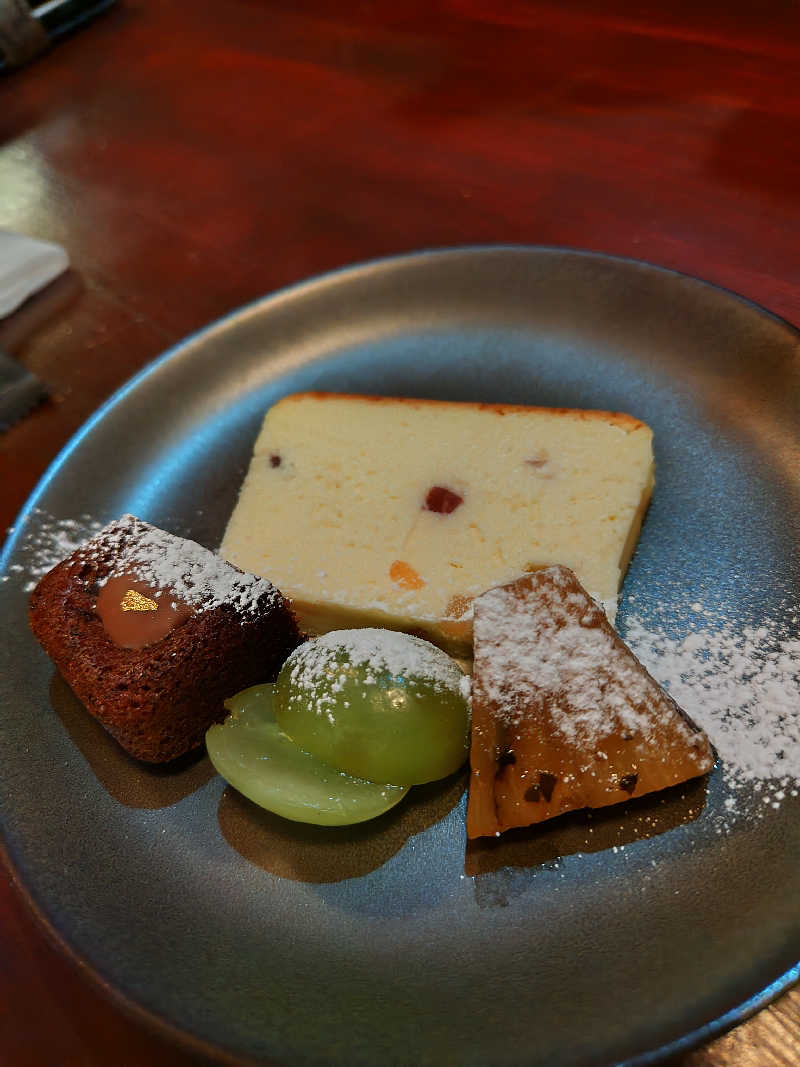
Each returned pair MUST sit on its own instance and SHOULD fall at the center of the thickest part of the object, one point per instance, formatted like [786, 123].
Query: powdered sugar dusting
[381, 652]
[183, 568]
[742, 686]
[558, 644]
[50, 541]
[465, 687]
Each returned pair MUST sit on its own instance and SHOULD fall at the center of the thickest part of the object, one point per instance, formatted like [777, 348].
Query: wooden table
[193, 155]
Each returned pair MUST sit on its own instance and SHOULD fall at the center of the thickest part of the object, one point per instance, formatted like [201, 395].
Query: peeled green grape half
[251, 752]
[375, 703]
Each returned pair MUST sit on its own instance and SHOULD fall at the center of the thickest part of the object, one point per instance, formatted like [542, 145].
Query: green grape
[252, 753]
[375, 703]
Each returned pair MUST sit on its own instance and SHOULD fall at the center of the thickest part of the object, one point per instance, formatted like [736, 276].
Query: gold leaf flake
[133, 601]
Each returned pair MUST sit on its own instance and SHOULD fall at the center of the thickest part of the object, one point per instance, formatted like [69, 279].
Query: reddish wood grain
[193, 155]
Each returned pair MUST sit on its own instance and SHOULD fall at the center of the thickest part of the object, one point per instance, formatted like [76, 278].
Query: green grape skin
[373, 723]
[252, 753]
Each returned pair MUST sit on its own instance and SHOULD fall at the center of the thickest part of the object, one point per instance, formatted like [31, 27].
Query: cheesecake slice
[396, 513]
[563, 714]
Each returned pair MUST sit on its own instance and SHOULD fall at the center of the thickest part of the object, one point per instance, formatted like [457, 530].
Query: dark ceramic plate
[391, 943]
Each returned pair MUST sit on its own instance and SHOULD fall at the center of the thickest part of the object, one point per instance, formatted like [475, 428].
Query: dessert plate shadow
[605, 955]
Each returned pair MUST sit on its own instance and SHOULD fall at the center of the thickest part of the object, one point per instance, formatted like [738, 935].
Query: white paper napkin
[26, 264]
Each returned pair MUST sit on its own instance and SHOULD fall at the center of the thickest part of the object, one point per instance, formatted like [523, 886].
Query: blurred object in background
[26, 31]
[26, 265]
[20, 391]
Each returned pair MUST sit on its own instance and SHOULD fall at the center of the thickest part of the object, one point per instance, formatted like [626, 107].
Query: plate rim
[150, 1019]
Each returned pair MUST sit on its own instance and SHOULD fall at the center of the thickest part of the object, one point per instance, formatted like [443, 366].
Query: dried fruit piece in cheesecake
[563, 714]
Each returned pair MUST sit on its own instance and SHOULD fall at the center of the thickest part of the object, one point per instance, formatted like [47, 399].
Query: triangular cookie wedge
[563, 714]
